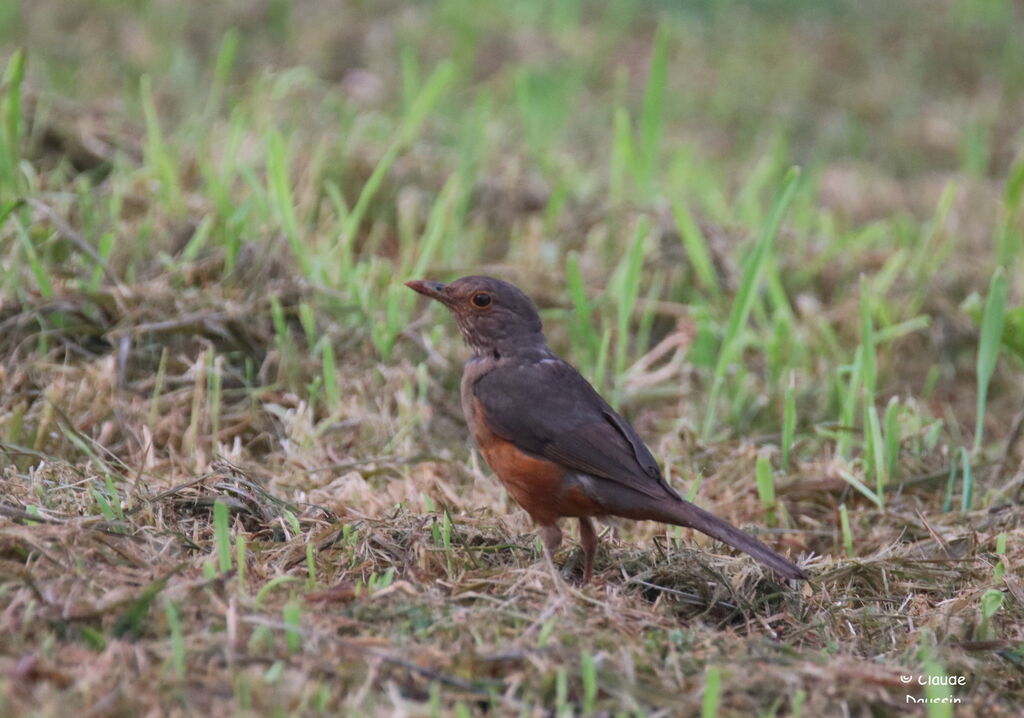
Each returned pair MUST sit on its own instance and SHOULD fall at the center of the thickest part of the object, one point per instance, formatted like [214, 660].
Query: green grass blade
[766, 487]
[848, 404]
[280, 194]
[652, 114]
[744, 301]
[621, 156]
[10, 139]
[1001, 566]
[891, 432]
[292, 614]
[130, 622]
[696, 247]
[588, 674]
[938, 692]
[157, 157]
[869, 370]
[844, 522]
[222, 535]
[311, 564]
[587, 338]
[875, 451]
[222, 69]
[988, 347]
[788, 421]
[967, 497]
[712, 692]
[859, 486]
[177, 637]
[330, 373]
[627, 290]
[35, 262]
[601, 365]
[242, 562]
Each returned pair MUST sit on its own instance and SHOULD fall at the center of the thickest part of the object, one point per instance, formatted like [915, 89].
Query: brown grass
[485, 619]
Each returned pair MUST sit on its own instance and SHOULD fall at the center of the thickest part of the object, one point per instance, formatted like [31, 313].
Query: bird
[560, 449]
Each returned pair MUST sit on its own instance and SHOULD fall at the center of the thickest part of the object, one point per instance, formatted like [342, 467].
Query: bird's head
[495, 317]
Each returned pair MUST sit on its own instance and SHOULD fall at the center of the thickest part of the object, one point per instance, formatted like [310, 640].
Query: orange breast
[535, 484]
[542, 487]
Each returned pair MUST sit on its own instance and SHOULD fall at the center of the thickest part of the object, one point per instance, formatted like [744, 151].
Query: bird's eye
[481, 300]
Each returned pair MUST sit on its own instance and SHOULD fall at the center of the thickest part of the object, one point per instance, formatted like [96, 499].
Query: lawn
[786, 239]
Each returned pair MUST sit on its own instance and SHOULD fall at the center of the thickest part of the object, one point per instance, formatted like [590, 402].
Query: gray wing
[548, 409]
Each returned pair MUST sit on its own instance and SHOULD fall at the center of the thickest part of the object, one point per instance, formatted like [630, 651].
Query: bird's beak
[434, 290]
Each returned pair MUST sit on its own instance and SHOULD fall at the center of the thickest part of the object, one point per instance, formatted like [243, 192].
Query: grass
[786, 240]
[989, 345]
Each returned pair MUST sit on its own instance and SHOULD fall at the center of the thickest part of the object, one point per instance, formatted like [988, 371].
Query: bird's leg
[551, 535]
[588, 542]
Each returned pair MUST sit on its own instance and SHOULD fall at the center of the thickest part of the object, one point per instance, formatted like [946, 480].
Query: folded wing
[548, 409]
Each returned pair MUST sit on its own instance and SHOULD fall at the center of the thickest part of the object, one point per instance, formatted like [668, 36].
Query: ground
[786, 239]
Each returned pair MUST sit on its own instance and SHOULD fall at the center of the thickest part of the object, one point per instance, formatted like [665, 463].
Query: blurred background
[784, 237]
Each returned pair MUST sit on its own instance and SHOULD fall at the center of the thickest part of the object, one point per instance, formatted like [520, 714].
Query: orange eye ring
[481, 300]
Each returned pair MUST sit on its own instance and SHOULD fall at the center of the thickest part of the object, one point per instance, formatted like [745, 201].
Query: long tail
[683, 513]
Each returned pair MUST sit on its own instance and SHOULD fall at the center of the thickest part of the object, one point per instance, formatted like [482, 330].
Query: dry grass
[474, 615]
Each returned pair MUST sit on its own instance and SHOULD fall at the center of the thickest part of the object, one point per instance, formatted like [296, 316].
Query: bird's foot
[569, 572]
[574, 570]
